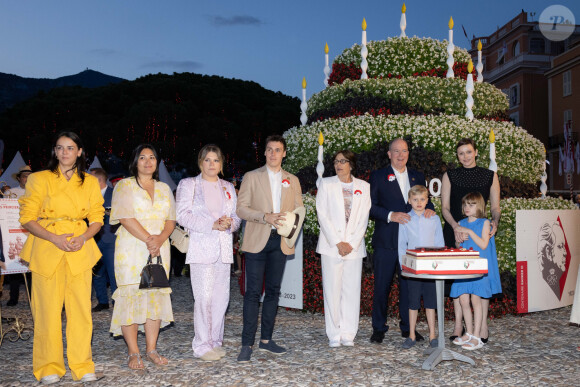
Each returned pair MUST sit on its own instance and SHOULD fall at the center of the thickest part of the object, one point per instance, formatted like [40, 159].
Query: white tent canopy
[15, 165]
[164, 176]
[95, 164]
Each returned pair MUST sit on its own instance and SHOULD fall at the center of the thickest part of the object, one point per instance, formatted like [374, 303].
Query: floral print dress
[134, 305]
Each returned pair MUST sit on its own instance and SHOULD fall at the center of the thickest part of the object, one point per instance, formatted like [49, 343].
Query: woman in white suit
[206, 207]
[343, 203]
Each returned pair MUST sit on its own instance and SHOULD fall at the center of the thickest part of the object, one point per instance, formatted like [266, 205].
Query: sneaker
[220, 351]
[245, 354]
[50, 379]
[408, 343]
[377, 337]
[89, 377]
[347, 343]
[434, 343]
[334, 344]
[272, 347]
[210, 355]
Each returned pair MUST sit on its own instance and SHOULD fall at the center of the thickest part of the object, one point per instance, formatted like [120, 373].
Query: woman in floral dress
[146, 210]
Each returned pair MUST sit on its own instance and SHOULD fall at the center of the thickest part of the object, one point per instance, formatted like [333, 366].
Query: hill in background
[14, 89]
[177, 113]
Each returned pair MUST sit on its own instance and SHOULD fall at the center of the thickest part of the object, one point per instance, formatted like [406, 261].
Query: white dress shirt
[404, 185]
[276, 188]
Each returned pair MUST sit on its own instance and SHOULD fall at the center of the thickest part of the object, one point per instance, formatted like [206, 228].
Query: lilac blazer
[206, 245]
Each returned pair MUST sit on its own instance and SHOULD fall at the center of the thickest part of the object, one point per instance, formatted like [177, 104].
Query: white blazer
[331, 217]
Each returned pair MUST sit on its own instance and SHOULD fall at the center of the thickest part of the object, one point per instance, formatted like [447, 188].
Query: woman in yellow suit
[61, 252]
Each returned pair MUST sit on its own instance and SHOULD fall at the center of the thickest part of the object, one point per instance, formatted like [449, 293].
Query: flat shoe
[221, 352]
[155, 358]
[210, 355]
[140, 364]
[409, 343]
[484, 340]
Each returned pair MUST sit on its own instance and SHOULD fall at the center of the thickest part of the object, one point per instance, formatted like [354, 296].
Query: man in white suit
[343, 203]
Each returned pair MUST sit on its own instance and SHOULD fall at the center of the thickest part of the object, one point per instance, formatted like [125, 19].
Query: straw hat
[24, 169]
[290, 228]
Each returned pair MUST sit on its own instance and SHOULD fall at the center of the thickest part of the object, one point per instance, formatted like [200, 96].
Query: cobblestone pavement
[535, 349]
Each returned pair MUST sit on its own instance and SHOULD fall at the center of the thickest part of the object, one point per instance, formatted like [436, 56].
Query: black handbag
[153, 275]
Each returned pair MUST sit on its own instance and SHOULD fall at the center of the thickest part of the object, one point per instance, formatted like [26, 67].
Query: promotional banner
[548, 256]
[13, 236]
[291, 288]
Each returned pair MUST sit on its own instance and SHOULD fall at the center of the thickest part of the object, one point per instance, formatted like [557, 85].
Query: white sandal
[459, 340]
[472, 347]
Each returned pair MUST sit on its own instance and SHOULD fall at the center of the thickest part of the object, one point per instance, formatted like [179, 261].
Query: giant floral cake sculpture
[407, 95]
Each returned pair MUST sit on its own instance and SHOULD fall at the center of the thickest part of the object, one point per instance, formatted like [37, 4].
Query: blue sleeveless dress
[490, 283]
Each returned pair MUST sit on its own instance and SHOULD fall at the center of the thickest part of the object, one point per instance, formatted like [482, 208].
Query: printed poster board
[548, 256]
[13, 236]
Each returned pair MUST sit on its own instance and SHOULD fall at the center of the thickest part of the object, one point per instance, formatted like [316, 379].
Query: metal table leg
[437, 355]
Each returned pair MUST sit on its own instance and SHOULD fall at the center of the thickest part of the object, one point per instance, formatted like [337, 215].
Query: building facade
[517, 58]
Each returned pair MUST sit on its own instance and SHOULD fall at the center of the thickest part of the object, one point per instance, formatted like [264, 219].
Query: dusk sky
[274, 43]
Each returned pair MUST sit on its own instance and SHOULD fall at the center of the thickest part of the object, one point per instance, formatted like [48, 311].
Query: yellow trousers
[48, 297]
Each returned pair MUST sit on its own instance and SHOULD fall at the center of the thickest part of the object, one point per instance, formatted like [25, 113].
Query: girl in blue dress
[471, 291]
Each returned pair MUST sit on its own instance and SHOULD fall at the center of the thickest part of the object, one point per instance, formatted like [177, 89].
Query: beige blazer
[255, 200]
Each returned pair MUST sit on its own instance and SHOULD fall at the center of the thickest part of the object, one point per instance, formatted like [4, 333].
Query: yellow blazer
[61, 207]
[255, 200]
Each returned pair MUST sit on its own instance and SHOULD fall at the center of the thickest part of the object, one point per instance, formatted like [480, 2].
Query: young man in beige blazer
[265, 195]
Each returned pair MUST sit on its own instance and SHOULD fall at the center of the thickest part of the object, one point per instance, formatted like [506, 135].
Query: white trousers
[341, 281]
[211, 289]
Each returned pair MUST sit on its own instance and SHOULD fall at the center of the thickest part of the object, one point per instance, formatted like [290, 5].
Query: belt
[63, 218]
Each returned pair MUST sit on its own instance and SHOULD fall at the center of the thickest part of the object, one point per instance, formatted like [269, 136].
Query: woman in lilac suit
[206, 207]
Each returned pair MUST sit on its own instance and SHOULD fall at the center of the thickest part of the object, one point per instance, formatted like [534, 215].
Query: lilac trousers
[211, 291]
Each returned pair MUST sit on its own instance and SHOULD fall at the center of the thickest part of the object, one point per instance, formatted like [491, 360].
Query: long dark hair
[135, 159]
[80, 164]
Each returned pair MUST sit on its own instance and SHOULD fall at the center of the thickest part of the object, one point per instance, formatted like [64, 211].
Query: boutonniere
[391, 177]
[285, 183]
[227, 193]
[358, 192]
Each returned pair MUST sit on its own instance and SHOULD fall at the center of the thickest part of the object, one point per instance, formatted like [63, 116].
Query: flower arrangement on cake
[405, 92]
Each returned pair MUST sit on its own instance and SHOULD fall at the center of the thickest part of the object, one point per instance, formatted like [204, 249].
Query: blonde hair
[477, 199]
[210, 148]
[418, 190]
